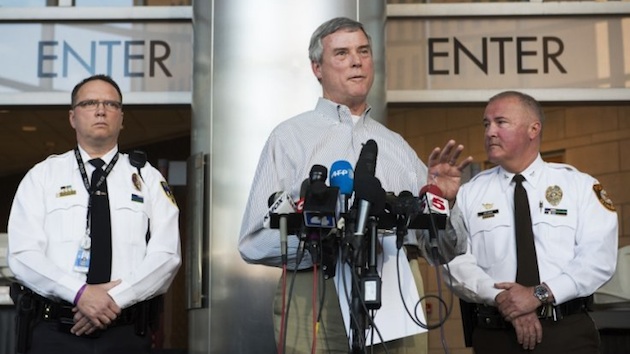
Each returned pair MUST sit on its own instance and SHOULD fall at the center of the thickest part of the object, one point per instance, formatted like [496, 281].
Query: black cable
[414, 317]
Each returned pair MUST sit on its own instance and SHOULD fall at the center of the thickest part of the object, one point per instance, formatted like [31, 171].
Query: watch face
[541, 293]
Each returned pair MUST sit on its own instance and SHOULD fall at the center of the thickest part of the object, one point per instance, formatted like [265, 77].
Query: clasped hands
[95, 309]
[518, 305]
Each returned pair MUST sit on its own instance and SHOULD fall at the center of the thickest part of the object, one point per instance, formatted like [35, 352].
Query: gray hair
[526, 100]
[316, 49]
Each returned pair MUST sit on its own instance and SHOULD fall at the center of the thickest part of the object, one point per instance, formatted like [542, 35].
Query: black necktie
[527, 264]
[100, 229]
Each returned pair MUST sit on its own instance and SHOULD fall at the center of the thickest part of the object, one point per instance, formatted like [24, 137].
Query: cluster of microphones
[323, 208]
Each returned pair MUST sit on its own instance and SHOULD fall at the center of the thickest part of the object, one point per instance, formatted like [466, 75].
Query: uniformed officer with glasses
[93, 238]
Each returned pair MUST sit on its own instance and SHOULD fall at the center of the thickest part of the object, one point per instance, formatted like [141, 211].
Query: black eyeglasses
[92, 105]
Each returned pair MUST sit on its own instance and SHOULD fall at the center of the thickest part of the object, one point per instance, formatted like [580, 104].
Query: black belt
[489, 316]
[55, 311]
[61, 313]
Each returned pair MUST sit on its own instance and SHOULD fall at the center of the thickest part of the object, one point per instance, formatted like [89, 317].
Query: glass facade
[99, 3]
[392, 2]
[93, 3]
[23, 3]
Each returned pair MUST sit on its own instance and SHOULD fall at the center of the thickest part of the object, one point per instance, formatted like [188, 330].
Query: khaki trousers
[331, 336]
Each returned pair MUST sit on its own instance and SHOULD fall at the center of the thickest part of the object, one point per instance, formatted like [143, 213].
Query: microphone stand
[361, 253]
[366, 284]
[357, 313]
[371, 282]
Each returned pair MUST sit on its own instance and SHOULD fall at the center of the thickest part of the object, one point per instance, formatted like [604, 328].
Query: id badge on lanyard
[82, 260]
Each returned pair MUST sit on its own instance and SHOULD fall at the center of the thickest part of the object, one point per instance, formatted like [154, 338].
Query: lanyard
[86, 182]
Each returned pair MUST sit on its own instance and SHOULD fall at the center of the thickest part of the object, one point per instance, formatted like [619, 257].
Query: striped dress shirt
[321, 136]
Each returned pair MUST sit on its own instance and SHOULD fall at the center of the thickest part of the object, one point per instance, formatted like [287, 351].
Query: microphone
[300, 209]
[433, 203]
[342, 176]
[432, 200]
[405, 207]
[320, 203]
[404, 204]
[370, 200]
[280, 203]
[366, 164]
[369, 194]
[317, 177]
[299, 205]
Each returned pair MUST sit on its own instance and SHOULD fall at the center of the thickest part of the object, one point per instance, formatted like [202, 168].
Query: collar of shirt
[107, 158]
[532, 174]
[342, 112]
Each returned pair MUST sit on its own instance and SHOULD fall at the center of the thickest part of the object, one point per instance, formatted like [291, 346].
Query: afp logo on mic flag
[342, 173]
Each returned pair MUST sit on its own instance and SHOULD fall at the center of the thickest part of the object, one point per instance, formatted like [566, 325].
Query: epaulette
[561, 166]
[484, 172]
[52, 156]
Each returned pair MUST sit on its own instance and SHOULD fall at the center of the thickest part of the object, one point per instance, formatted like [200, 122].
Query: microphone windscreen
[405, 194]
[304, 188]
[318, 173]
[342, 176]
[431, 188]
[369, 188]
[366, 165]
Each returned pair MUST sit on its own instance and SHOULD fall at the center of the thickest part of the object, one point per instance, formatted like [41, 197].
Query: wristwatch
[541, 293]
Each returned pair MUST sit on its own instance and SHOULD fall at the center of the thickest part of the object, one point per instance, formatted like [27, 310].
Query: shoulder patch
[167, 190]
[601, 194]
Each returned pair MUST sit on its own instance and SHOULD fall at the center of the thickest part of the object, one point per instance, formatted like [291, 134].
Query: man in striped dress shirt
[341, 59]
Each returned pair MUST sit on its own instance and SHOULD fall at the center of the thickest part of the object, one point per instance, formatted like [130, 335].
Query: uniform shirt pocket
[557, 227]
[66, 218]
[491, 235]
[130, 219]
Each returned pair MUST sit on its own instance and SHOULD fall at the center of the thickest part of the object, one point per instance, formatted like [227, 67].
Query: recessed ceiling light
[29, 128]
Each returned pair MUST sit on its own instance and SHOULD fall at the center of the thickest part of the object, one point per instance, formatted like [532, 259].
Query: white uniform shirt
[574, 223]
[323, 136]
[48, 222]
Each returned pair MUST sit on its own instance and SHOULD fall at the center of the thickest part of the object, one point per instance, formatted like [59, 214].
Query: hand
[82, 324]
[516, 300]
[528, 330]
[96, 307]
[444, 170]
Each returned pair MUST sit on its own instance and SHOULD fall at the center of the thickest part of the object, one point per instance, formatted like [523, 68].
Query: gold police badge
[603, 197]
[553, 194]
[136, 180]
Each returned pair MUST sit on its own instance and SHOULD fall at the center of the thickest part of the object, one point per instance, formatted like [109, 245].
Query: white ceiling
[20, 149]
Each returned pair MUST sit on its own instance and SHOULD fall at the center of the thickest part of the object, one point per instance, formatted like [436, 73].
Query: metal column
[251, 72]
